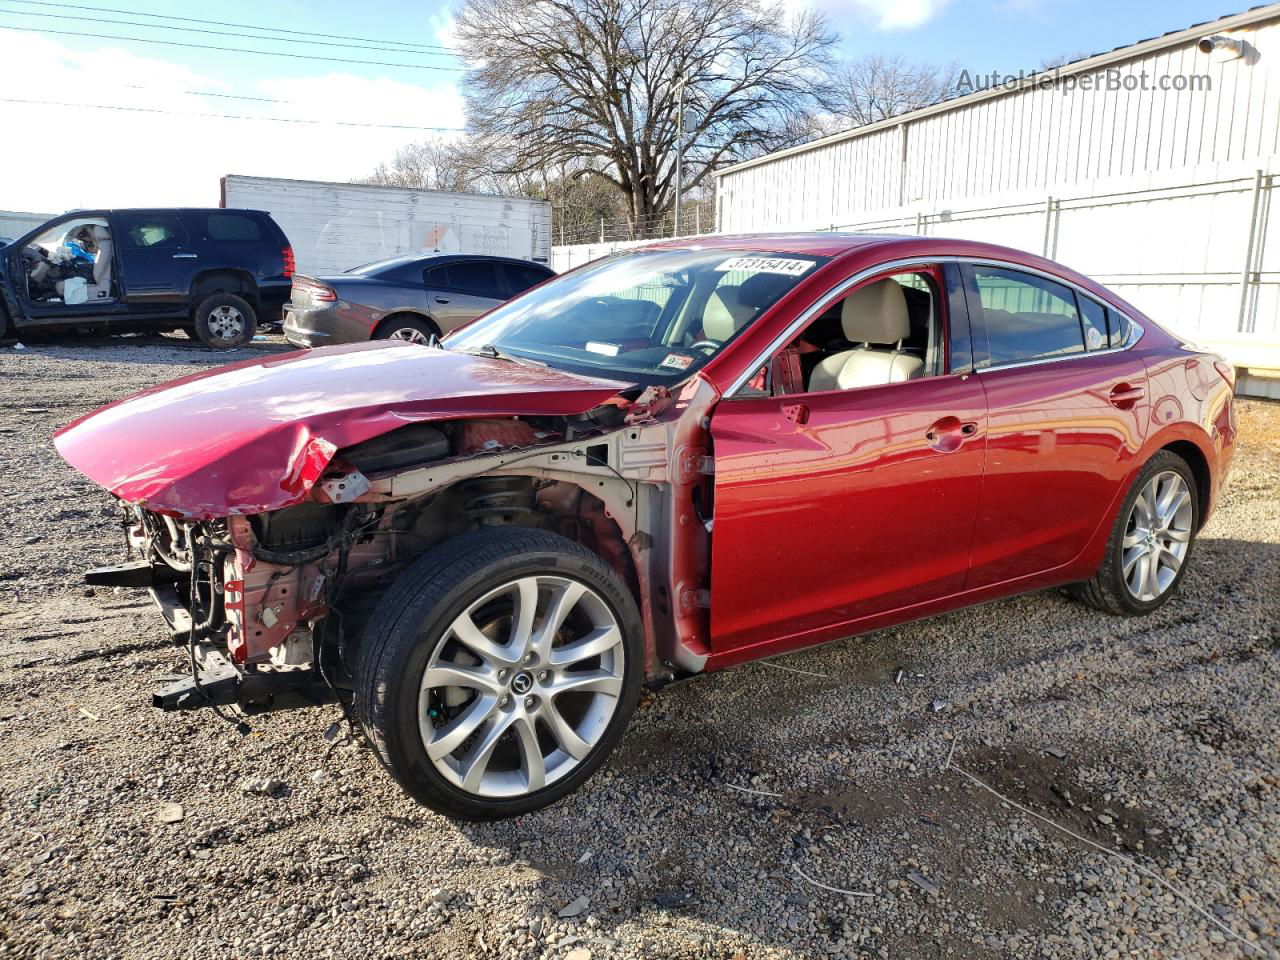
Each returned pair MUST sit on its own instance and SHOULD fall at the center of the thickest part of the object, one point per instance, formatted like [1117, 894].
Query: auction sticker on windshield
[789, 268]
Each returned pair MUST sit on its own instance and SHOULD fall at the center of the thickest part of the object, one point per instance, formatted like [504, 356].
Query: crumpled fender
[257, 435]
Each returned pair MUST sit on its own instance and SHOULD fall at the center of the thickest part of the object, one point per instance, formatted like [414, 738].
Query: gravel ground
[128, 833]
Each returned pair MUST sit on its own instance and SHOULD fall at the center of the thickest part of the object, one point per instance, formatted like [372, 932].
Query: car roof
[97, 211]
[815, 244]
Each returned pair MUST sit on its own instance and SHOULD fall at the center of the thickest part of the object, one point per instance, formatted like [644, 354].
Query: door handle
[796, 412]
[185, 256]
[1125, 396]
[945, 435]
[442, 299]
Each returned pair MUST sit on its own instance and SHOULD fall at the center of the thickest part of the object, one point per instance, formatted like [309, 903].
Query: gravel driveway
[733, 804]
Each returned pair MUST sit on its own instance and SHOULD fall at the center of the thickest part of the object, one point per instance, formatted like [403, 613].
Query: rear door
[461, 290]
[836, 506]
[157, 260]
[1067, 416]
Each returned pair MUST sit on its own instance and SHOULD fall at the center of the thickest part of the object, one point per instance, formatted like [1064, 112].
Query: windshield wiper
[491, 350]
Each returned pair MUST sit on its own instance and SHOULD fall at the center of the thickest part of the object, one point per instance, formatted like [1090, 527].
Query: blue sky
[173, 141]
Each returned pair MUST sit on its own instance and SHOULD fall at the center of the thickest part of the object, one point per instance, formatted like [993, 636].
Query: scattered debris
[319, 776]
[818, 883]
[924, 883]
[35, 409]
[170, 813]
[1056, 752]
[585, 857]
[91, 716]
[574, 908]
[263, 786]
[758, 793]
[897, 678]
[937, 706]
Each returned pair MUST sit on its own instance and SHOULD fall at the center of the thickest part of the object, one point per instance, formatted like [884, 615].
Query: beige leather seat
[725, 314]
[100, 289]
[875, 315]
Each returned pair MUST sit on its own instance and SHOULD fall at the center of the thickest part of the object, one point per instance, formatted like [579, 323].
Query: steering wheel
[710, 346]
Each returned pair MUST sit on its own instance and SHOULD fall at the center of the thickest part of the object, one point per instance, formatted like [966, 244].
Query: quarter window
[1119, 326]
[1027, 317]
[153, 231]
[232, 227]
[1094, 317]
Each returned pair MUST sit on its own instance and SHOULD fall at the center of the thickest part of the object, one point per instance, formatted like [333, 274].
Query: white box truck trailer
[336, 226]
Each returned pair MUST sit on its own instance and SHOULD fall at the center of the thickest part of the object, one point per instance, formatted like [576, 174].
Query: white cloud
[59, 158]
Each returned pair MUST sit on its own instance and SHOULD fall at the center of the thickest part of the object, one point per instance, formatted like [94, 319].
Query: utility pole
[679, 151]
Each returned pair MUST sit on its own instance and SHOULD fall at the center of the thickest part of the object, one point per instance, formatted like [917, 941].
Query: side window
[885, 331]
[1094, 317]
[1026, 317]
[152, 230]
[1119, 327]
[521, 278]
[232, 227]
[475, 276]
[437, 277]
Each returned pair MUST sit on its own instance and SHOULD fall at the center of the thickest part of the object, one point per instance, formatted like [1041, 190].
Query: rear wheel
[223, 321]
[1151, 542]
[499, 672]
[407, 328]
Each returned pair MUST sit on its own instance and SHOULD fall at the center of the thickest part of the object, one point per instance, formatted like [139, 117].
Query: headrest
[876, 313]
[724, 313]
[101, 233]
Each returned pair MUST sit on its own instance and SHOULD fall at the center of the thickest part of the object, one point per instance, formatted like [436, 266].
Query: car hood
[256, 435]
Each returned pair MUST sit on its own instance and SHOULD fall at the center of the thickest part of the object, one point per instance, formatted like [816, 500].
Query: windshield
[378, 266]
[649, 316]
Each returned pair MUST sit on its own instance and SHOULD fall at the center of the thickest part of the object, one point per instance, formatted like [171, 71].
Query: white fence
[1199, 252]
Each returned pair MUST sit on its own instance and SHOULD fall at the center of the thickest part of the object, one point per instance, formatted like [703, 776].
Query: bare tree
[878, 87]
[591, 87]
[435, 164]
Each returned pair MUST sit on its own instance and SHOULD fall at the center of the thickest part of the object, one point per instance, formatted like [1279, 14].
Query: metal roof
[1094, 62]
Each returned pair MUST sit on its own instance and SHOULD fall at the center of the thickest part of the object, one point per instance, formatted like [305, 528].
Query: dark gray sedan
[405, 298]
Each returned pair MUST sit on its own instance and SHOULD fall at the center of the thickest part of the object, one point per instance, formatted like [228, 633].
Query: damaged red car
[673, 460]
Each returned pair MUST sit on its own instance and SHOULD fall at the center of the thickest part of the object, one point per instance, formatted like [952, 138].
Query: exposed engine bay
[271, 605]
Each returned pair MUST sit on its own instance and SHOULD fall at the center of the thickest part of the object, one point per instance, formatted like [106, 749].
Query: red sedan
[673, 460]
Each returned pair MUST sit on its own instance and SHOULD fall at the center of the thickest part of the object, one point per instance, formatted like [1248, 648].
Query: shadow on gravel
[139, 348]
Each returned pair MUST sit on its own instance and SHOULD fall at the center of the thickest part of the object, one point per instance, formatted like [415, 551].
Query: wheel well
[405, 315]
[238, 282]
[1194, 459]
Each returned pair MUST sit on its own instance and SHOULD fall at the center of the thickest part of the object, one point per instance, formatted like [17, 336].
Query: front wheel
[1151, 541]
[499, 672]
[224, 321]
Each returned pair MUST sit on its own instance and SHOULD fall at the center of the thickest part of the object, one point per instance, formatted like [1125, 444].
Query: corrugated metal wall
[1027, 140]
[14, 224]
[1152, 192]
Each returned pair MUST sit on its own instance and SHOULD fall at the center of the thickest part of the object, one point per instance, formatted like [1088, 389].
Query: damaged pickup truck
[673, 460]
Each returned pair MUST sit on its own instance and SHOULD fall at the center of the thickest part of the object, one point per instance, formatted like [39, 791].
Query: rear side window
[470, 276]
[1119, 327]
[152, 230]
[521, 278]
[1027, 317]
[1094, 317]
[232, 228]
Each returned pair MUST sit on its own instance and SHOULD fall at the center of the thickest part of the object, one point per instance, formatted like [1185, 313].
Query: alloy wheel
[226, 322]
[412, 334]
[522, 686]
[1157, 536]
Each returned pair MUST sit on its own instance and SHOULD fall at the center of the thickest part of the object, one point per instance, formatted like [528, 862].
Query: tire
[413, 329]
[1112, 589]
[224, 321]
[478, 577]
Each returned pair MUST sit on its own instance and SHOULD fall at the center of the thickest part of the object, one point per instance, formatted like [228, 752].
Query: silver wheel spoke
[448, 738]
[562, 603]
[532, 763]
[1133, 556]
[1179, 536]
[472, 678]
[564, 734]
[592, 645]
[1138, 579]
[522, 618]
[477, 759]
[1151, 589]
[469, 635]
[589, 681]
[1134, 538]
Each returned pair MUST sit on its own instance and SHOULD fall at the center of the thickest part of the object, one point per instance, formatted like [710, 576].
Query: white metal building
[1151, 168]
[14, 224]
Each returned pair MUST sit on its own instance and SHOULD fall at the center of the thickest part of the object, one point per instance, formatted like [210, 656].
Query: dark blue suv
[214, 273]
